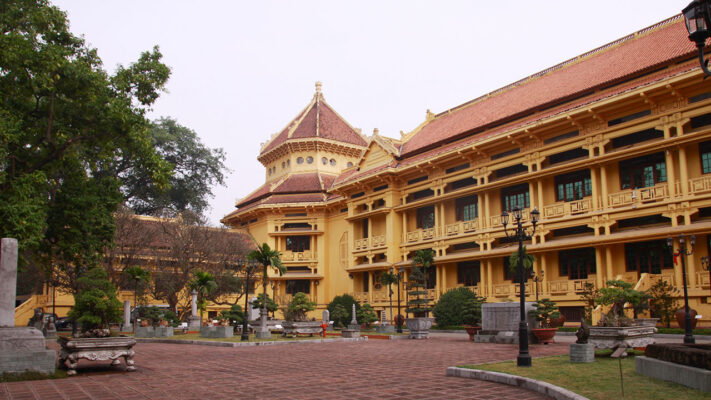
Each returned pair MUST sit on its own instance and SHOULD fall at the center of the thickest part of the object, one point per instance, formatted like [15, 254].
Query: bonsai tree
[366, 315]
[157, 314]
[387, 279]
[298, 307]
[545, 309]
[268, 258]
[203, 283]
[234, 315]
[615, 295]
[418, 303]
[346, 302]
[588, 297]
[663, 302]
[95, 303]
[457, 307]
[272, 306]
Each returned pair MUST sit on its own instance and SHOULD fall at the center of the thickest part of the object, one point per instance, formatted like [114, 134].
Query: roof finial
[376, 131]
[318, 86]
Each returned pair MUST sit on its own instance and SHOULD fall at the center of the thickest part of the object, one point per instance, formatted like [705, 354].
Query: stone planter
[419, 327]
[164, 331]
[216, 332]
[472, 331]
[145, 332]
[623, 336]
[96, 349]
[645, 322]
[545, 335]
[294, 328]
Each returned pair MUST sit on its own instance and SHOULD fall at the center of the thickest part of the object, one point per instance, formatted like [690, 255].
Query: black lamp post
[536, 279]
[249, 266]
[683, 252]
[698, 20]
[524, 358]
[399, 316]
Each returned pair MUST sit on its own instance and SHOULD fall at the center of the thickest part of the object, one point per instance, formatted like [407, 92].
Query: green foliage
[139, 277]
[346, 301]
[271, 304]
[663, 302]
[616, 294]
[95, 304]
[458, 306]
[195, 169]
[267, 257]
[156, 314]
[418, 303]
[588, 296]
[545, 310]
[339, 315]
[298, 307]
[203, 283]
[366, 315]
[235, 315]
[528, 260]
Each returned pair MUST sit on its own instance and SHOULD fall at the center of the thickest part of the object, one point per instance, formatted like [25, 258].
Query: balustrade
[568, 208]
[461, 227]
[699, 185]
[643, 195]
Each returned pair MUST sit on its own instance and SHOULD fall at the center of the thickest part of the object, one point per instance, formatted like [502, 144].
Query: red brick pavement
[377, 369]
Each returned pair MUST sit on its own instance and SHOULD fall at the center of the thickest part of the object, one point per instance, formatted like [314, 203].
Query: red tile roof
[300, 183]
[642, 51]
[318, 119]
[307, 187]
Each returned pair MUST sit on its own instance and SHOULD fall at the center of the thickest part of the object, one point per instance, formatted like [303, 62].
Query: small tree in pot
[418, 303]
[545, 310]
[296, 317]
[95, 304]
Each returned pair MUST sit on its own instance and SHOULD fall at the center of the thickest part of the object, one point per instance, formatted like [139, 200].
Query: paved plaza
[376, 369]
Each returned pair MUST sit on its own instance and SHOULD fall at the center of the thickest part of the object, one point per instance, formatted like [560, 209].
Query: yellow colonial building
[612, 147]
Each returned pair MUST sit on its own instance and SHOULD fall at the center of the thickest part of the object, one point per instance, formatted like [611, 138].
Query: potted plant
[544, 311]
[418, 303]
[95, 307]
[366, 315]
[616, 329]
[297, 321]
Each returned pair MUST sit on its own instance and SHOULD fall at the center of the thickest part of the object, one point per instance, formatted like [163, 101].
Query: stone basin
[692, 355]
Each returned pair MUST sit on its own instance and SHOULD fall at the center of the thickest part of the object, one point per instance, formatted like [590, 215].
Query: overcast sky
[241, 70]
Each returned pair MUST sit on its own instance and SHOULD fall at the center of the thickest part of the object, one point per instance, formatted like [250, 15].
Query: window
[309, 160]
[643, 172]
[350, 164]
[650, 257]
[505, 154]
[637, 137]
[364, 225]
[567, 156]
[462, 183]
[512, 170]
[560, 137]
[515, 196]
[466, 208]
[283, 164]
[295, 286]
[468, 273]
[298, 243]
[577, 263]
[457, 168]
[300, 160]
[573, 186]
[366, 281]
[431, 277]
[415, 180]
[705, 152]
[324, 160]
[425, 217]
[332, 162]
[421, 194]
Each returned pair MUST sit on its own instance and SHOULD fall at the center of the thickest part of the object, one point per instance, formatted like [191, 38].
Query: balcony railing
[700, 185]
[496, 219]
[503, 290]
[461, 227]
[702, 280]
[568, 208]
[296, 256]
[361, 297]
[371, 242]
[420, 235]
[633, 196]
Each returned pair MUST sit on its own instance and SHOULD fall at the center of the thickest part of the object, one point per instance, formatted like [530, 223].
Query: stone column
[127, 316]
[8, 281]
[194, 321]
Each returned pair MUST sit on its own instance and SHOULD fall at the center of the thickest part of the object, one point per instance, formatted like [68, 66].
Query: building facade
[613, 148]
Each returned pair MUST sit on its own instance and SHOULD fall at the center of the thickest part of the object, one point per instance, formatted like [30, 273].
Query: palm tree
[203, 284]
[388, 278]
[267, 257]
[137, 275]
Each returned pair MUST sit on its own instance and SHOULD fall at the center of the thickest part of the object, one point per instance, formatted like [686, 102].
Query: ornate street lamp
[683, 252]
[519, 233]
[705, 266]
[400, 271]
[698, 20]
[249, 266]
[537, 279]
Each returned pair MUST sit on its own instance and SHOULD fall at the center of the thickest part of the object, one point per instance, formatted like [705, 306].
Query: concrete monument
[126, 327]
[500, 321]
[21, 348]
[194, 321]
[353, 330]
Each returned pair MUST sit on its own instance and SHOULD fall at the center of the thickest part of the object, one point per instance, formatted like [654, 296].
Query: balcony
[568, 286]
[361, 297]
[564, 209]
[638, 196]
[283, 299]
[420, 235]
[461, 227]
[700, 185]
[703, 280]
[525, 216]
[296, 256]
[369, 243]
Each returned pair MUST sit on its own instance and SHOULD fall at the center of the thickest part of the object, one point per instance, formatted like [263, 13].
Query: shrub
[366, 315]
[346, 301]
[458, 306]
[95, 303]
[545, 310]
[155, 314]
[663, 302]
[271, 304]
[298, 307]
[235, 315]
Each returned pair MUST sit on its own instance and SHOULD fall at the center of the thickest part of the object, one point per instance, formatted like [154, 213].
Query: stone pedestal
[387, 328]
[23, 348]
[145, 332]
[126, 327]
[500, 323]
[263, 333]
[582, 353]
[164, 331]
[216, 332]
[350, 333]
[50, 330]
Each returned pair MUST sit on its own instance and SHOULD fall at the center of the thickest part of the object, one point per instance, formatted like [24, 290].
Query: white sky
[243, 69]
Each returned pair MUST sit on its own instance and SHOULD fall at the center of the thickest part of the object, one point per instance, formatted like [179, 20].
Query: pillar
[608, 263]
[595, 189]
[8, 281]
[683, 172]
[603, 184]
[671, 176]
[127, 316]
[489, 281]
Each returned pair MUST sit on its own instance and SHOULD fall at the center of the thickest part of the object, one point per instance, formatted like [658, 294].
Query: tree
[140, 278]
[588, 296]
[366, 315]
[345, 302]
[272, 306]
[663, 302]
[387, 278]
[615, 295]
[195, 169]
[298, 307]
[456, 307]
[203, 284]
[418, 302]
[268, 258]
[64, 126]
[95, 302]
[338, 315]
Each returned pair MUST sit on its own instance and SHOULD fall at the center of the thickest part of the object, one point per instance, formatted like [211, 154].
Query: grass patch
[699, 331]
[31, 376]
[238, 338]
[597, 380]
